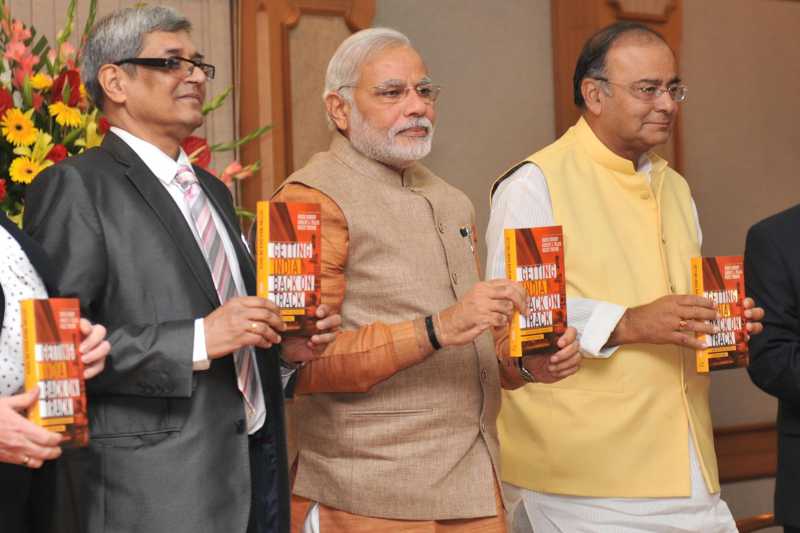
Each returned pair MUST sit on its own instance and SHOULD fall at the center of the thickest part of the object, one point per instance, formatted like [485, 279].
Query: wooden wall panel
[310, 132]
[574, 21]
[212, 34]
[269, 47]
[746, 451]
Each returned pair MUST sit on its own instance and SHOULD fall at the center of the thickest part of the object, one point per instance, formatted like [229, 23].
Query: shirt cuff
[200, 359]
[604, 318]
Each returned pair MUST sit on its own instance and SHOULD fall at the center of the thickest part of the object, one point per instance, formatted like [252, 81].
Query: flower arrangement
[46, 115]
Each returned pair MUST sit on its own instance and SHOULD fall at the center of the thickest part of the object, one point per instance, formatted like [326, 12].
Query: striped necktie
[214, 252]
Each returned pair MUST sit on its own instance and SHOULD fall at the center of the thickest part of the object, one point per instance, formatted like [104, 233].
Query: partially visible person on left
[26, 478]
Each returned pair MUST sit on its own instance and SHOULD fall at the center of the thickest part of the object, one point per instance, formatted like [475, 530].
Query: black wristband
[432, 333]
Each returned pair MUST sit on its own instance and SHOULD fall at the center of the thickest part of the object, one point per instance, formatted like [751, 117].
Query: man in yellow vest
[626, 444]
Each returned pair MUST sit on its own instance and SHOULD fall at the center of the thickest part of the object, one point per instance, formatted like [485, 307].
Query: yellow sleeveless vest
[619, 427]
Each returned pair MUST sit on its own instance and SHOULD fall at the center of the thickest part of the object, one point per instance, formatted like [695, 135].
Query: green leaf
[40, 46]
[226, 147]
[64, 34]
[89, 23]
[217, 101]
[27, 93]
[72, 136]
[244, 213]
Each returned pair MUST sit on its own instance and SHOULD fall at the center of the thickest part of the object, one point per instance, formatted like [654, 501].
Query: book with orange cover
[289, 261]
[535, 256]
[51, 338]
[721, 279]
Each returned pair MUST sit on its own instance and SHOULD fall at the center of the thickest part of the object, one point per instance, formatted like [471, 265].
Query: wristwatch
[524, 372]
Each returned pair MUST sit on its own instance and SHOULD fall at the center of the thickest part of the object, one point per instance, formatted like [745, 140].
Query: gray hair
[344, 67]
[120, 35]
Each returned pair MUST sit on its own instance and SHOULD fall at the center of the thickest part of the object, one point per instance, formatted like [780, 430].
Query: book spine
[262, 249]
[515, 335]
[698, 290]
[29, 355]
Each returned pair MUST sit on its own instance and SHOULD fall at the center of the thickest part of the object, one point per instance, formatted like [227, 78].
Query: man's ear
[339, 111]
[113, 81]
[592, 95]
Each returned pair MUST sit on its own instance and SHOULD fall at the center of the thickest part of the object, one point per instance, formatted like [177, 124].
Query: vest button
[454, 277]
[441, 226]
[645, 196]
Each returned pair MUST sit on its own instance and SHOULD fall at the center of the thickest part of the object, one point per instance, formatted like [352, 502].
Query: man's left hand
[561, 364]
[300, 350]
[94, 348]
[754, 315]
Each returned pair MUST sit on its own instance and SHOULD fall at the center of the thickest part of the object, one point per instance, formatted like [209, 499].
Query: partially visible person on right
[772, 274]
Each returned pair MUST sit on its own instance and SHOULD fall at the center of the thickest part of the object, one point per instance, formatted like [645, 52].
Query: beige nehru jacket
[422, 444]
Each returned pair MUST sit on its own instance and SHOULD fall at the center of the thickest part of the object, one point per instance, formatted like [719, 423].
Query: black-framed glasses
[178, 64]
[395, 93]
[649, 92]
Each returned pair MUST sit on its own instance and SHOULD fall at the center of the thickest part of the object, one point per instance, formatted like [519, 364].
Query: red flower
[38, 99]
[197, 150]
[73, 78]
[3, 192]
[103, 126]
[57, 153]
[6, 102]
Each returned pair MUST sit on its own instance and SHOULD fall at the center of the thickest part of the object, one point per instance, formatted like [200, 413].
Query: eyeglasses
[650, 93]
[177, 64]
[394, 94]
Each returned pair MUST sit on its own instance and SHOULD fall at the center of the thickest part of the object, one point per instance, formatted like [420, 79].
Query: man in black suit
[772, 271]
[187, 428]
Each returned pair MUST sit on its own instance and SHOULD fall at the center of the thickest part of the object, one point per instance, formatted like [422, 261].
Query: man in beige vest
[625, 445]
[395, 423]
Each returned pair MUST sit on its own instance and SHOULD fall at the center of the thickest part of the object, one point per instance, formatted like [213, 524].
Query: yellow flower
[18, 127]
[65, 115]
[23, 170]
[41, 81]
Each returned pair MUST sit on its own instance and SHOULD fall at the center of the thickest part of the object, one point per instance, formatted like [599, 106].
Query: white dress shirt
[523, 201]
[165, 169]
[20, 282]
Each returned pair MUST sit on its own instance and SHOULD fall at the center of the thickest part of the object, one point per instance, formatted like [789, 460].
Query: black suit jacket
[169, 447]
[772, 271]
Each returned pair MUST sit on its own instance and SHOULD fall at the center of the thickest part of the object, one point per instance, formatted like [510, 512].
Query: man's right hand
[671, 319]
[487, 304]
[21, 441]
[240, 322]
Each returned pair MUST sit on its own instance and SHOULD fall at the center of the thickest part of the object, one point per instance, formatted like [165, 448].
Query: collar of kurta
[411, 177]
[603, 155]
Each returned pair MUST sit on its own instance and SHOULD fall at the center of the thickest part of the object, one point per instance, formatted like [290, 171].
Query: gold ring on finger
[682, 324]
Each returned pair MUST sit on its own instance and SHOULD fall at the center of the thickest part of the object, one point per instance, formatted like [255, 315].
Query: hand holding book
[21, 441]
[241, 322]
[565, 362]
[488, 304]
[672, 319]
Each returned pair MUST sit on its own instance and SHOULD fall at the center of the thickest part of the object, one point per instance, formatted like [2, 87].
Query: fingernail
[279, 340]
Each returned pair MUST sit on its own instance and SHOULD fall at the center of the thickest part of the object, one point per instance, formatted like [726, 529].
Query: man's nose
[415, 105]
[665, 103]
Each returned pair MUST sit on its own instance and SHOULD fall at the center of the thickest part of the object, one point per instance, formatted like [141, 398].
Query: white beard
[383, 146]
